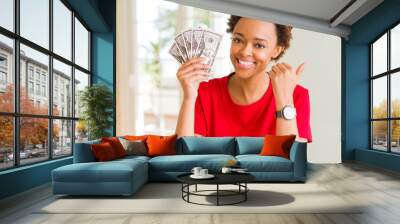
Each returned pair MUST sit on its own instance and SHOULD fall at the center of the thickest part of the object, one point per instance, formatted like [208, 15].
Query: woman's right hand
[190, 74]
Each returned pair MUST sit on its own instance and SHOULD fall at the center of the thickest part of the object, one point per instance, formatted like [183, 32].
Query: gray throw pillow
[137, 147]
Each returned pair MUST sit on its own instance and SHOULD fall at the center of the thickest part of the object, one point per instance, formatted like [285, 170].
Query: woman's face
[253, 46]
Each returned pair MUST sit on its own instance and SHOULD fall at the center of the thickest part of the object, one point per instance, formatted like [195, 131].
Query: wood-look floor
[378, 188]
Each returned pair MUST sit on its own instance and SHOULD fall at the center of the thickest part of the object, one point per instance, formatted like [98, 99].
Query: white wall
[126, 78]
[322, 77]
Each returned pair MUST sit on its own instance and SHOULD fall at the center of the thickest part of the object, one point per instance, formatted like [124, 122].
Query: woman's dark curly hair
[284, 33]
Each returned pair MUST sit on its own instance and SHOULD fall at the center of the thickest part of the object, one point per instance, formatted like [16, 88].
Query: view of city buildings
[34, 82]
[46, 114]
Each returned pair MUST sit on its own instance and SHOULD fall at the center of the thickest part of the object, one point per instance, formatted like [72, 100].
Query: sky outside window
[379, 56]
[35, 21]
[62, 29]
[395, 47]
[7, 14]
[35, 27]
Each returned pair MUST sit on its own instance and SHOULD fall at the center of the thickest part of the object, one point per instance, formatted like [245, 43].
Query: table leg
[196, 188]
[217, 194]
[188, 189]
[245, 191]
[182, 188]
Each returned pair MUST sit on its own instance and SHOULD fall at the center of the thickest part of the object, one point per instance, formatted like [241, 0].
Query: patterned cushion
[135, 147]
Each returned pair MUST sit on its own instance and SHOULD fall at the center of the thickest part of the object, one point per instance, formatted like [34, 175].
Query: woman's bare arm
[190, 75]
[185, 124]
[285, 78]
[287, 127]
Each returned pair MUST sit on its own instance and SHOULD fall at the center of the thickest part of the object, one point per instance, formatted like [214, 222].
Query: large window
[385, 91]
[44, 64]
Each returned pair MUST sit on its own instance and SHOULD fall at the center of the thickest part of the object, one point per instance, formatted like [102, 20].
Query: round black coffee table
[238, 179]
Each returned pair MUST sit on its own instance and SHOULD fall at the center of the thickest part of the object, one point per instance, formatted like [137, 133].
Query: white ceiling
[320, 9]
[315, 15]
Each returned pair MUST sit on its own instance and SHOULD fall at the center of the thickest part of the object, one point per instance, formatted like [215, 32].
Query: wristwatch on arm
[288, 112]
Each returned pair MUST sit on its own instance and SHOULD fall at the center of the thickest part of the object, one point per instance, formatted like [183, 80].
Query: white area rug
[166, 198]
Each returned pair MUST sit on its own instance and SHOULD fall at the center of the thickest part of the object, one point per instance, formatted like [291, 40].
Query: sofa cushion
[161, 145]
[131, 158]
[111, 171]
[185, 163]
[257, 163]
[103, 151]
[136, 137]
[277, 145]
[249, 145]
[206, 145]
[134, 147]
[116, 145]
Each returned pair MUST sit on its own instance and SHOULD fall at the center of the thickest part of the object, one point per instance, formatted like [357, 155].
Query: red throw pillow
[277, 145]
[161, 145]
[116, 145]
[103, 151]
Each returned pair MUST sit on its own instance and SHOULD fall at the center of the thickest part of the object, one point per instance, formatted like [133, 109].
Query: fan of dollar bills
[196, 42]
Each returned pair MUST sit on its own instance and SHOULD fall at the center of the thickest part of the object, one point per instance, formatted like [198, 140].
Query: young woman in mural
[251, 101]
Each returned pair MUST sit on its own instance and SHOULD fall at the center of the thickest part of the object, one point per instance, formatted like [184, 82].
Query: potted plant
[96, 103]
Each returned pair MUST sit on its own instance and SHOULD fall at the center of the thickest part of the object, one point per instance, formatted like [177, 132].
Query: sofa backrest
[249, 145]
[83, 152]
[205, 145]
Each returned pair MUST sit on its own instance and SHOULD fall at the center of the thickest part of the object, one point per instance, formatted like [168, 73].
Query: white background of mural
[141, 108]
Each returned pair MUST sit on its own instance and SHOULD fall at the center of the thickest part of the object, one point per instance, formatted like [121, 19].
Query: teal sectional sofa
[125, 176]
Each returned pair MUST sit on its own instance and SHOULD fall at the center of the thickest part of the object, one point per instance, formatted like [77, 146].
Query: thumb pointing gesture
[300, 69]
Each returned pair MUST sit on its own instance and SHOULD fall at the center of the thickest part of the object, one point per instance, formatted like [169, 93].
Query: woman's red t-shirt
[217, 115]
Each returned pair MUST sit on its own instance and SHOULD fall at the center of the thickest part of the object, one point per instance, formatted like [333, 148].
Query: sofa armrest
[83, 152]
[298, 155]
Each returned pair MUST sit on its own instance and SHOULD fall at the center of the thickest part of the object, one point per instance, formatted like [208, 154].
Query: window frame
[16, 115]
[388, 74]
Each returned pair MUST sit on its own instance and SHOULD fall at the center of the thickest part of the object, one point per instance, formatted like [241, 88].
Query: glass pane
[379, 135]
[62, 89]
[395, 136]
[33, 139]
[379, 97]
[7, 14]
[395, 94]
[6, 74]
[6, 142]
[81, 45]
[62, 138]
[35, 21]
[81, 81]
[81, 131]
[62, 29]
[379, 55]
[34, 81]
[395, 47]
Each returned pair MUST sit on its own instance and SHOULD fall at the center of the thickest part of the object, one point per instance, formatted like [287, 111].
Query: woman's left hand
[284, 79]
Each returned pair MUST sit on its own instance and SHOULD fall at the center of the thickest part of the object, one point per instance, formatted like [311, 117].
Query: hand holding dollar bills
[196, 42]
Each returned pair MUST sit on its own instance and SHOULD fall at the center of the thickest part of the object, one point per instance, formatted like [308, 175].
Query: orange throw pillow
[116, 145]
[161, 145]
[135, 138]
[103, 152]
[277, 145]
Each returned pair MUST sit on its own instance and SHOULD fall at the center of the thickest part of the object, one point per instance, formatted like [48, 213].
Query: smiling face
[254, 45]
